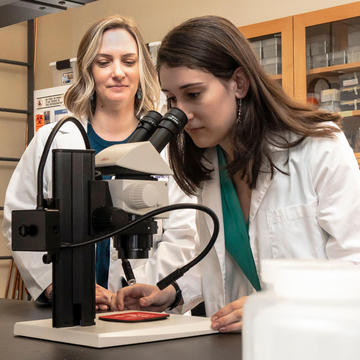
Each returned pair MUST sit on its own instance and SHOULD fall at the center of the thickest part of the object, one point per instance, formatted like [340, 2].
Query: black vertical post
[30, 79]
[73, 268]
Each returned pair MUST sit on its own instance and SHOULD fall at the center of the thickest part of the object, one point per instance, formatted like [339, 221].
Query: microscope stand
[106, 334]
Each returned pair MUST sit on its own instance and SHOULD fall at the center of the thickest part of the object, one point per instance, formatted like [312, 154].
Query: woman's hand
[103, 298]
[48, 292]
[143, 297]
[229, 318]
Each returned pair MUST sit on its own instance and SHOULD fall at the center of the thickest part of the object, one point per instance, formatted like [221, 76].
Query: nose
[118, 71]
[185, 109]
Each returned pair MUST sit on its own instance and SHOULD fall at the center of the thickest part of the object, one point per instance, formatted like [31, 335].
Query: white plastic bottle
[309, 310]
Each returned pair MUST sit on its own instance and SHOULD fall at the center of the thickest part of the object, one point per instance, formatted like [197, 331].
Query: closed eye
[130, 63]
[129, 59]
[193, 95]
[102, 63]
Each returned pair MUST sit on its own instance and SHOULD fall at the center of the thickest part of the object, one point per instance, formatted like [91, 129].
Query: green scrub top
[237, 241]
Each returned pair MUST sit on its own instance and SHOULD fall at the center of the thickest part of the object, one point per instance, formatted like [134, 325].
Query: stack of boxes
[268, 52]
[350, 91]
[330, 100]
[318, 51]
[354, 44]
[319, 54]
[326, 49]
[347, 98]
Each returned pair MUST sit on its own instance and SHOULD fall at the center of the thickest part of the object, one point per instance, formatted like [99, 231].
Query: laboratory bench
[207, 347]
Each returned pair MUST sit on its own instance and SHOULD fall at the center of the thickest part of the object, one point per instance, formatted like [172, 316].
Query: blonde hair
[78, 97]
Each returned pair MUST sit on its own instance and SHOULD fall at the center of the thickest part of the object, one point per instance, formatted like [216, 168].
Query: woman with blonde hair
[116, 84]
[81, 98]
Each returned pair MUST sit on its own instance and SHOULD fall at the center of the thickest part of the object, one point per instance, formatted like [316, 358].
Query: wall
[59, 35]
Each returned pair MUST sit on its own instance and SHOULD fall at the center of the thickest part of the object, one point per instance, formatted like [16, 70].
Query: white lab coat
[311, 214]
[174, 248]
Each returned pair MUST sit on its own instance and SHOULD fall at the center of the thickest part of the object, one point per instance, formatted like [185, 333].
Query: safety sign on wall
[49, 105]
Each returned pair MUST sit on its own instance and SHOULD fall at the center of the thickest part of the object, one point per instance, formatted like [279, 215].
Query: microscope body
[83, 209]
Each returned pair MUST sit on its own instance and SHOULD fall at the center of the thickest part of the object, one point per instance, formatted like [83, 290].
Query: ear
[241, 83]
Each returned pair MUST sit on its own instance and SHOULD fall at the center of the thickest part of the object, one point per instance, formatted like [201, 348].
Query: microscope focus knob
[141, 196]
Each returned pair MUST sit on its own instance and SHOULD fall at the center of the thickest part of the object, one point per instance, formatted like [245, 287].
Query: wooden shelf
[348, 114]
[329, 70]
[276, 77]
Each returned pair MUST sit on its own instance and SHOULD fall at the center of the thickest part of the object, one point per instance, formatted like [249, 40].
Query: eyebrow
[108, 55]
[185, 86]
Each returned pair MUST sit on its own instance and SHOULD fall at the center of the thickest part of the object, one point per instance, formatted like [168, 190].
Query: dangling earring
[139, 94]
[238, 117]
[93, 102]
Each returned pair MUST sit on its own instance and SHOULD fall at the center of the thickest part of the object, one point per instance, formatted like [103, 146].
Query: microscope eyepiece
[170, 126]
[147, 125]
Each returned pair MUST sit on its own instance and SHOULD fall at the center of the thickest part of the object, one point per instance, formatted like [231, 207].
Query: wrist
[177, 300]
[48, 292]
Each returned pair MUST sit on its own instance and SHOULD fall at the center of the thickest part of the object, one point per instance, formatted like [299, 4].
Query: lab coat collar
[68, 127]
[211, 194]
[211, 197]
[211, 189]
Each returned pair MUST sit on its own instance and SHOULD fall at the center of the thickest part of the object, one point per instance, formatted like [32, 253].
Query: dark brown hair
[213, 44]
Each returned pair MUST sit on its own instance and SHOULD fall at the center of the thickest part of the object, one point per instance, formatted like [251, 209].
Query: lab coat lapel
[211, 197]
[279, 157]
[257, 194]
[215, 260]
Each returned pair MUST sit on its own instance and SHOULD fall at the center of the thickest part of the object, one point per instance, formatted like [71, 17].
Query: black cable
[40, 181]
[162, 284]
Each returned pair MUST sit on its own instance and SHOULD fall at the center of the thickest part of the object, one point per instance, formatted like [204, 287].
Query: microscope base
[106, 334]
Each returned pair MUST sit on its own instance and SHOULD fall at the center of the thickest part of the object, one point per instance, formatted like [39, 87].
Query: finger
[133, 307]
[137, 305]
[234, 327]
[103, 307]
[155, 298]
[135, 291]
[223, 312]
[102, 299]
[224, 321]
[229, 308]
[131, 302]
[117, 302]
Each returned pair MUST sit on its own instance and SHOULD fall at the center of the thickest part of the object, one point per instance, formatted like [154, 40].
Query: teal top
[103, 247]
[237, 241]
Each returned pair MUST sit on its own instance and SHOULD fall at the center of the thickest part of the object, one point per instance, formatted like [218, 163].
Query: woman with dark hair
[280, 175]
[116, 84]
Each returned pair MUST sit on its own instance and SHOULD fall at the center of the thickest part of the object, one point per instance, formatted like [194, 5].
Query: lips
[117, 86]
[192, 129]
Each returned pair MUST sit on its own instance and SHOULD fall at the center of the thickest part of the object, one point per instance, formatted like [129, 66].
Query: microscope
[85, 209]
